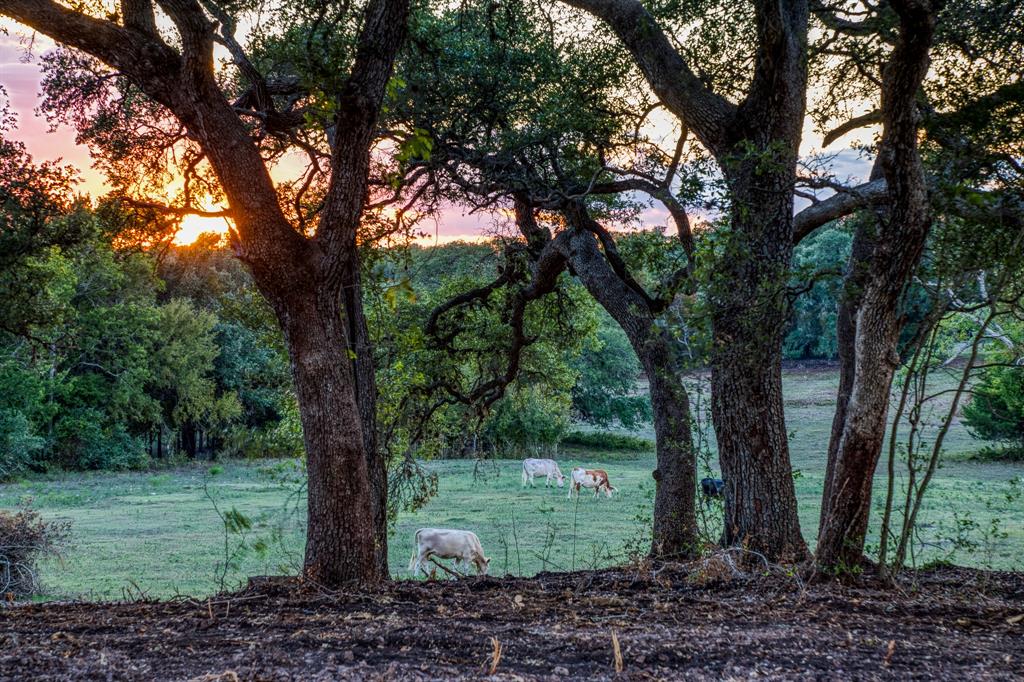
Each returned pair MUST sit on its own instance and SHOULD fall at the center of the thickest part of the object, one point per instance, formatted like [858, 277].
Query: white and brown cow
[547, 468]
[444, 543]
[597, 479]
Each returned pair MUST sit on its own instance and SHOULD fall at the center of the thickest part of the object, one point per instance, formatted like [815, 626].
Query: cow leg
[419, 564]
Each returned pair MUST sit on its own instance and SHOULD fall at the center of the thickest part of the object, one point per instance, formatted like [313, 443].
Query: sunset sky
[20, 76]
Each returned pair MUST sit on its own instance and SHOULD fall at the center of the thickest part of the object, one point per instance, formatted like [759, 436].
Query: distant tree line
[114, 354]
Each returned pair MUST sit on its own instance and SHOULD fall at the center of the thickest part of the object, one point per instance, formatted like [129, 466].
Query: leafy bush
[85, 443]
[606, 391]
[527, 418]
[812, 332]
[604, 440]
[996, 409]
[273, 440]
[24, 539]
[18, 444]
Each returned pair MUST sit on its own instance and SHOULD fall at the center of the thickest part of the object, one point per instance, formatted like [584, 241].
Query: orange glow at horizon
[194, 225]
[442, 239]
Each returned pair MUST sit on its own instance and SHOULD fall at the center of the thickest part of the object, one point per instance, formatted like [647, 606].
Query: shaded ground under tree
[957, 624]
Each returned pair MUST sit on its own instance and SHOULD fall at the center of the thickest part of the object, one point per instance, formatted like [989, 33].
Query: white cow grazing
[462, 545]
[597, 479]
[547, 468]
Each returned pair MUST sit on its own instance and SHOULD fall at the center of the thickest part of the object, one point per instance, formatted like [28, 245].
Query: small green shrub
[605, 440]
[529, 417]
[996, 409]
[87, 443]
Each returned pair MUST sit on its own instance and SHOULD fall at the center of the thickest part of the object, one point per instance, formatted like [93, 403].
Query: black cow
[712, 487]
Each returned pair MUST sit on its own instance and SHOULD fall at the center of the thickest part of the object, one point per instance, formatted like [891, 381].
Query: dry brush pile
[25, 538]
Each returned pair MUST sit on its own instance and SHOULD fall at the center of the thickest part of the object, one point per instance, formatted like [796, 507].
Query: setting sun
[194, 225]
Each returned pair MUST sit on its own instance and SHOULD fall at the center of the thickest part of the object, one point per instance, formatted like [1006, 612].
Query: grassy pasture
[157, 532]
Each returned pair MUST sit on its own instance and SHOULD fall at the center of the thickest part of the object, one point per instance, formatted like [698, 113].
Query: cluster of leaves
[500, 86]
[606, 392]
[820, 260]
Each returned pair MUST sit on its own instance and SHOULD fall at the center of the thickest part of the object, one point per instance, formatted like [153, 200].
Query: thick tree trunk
[760, 499]
[366, 398]
[902, 228]
[675, 526]
[846, 509]
[675, 521]
[748, 320]
[340, 545]
[854, 281]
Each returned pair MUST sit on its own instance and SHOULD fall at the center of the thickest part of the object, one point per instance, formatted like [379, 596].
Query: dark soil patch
[959, 624]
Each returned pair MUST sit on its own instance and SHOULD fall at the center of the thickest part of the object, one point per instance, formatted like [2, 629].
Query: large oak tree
[305, 263]
[755, 142]
[946, 79]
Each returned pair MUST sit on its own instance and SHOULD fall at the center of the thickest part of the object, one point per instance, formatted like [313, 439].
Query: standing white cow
[547, 468]
[597, 479]
[462, 545]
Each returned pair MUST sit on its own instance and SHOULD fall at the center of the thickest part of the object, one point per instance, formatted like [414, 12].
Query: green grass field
[158, 534]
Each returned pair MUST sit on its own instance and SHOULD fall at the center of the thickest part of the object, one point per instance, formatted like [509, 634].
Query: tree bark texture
[901, 229]
[363, 371]
[340, 544]
[675, 533]
[854, 280]
[748, 315]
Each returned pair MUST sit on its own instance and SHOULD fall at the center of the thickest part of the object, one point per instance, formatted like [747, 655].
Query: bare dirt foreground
[960, 624]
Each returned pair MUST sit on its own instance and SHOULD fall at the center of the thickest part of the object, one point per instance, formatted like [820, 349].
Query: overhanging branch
[177, 210]
[838, 205]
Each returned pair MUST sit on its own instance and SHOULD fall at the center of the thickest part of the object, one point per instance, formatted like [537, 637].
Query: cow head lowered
[447, 543]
